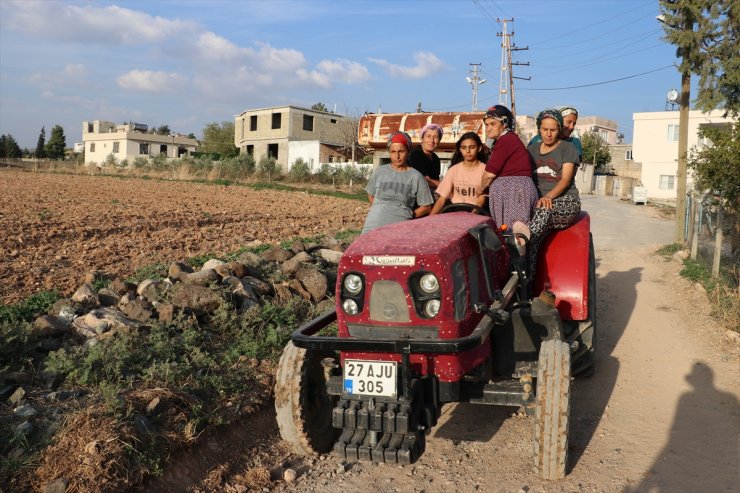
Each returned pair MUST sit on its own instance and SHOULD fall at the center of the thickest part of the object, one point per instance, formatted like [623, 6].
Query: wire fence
[714, 236]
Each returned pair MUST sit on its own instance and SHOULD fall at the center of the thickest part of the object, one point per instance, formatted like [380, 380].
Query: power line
[595, 83]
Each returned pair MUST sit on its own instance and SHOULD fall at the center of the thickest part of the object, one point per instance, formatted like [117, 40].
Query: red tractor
[432, 311]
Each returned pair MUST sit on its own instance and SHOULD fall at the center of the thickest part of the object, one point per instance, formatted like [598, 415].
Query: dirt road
[660, 415]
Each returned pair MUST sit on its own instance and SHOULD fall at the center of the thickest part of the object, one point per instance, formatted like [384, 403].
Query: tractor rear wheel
[584, 358]
[302, 403]
[552, 409]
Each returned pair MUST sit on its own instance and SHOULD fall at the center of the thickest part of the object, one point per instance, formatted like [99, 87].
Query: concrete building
[655, 145]
[605, 128]
[129, 141]
[288, 133]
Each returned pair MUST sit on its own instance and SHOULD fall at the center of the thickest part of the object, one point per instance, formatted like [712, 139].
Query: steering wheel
[462, 207]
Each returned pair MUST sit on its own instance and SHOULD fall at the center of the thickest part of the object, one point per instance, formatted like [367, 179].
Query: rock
[56, 486]
[48, 326]
[258, 285]
[126, 299]
[25, 411]
[50, 380]
[212, 264]
[201, 278]
[121, 287]
[84, 296]
[298, 246]
[243, 295]
[65, 395]
[289, 475]
[96, 276]
[249, 259]
[283, 293]
[197, 298]
[291, 265]
[311, 246]
[313, 281]
[681, 255]
[331, 256]
[17, 377]
[326, 305]
[108, 297]
[223, 271]
[178, 271]
[143, 285]
[237, 268]
[166, 312]
[17, 396]
[153, 406]
[331, 244]
[733, 336]
[60, 305]
[25, 428]
[151, 290]
[139, 309]
[101, 320]
[276, 254]
[296, 286]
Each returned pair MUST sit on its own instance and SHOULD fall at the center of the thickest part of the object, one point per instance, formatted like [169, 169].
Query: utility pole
[506, 84]
[475, 81]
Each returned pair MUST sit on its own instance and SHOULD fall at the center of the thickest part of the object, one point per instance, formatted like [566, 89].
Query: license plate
[370, 377]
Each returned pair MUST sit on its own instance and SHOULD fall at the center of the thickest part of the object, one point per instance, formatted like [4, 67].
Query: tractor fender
[562, 267]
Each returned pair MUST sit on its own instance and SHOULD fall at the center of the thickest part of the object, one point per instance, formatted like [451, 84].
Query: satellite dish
[672, 96]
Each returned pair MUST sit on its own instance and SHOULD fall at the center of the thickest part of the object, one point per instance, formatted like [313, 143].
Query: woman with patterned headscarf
[570, 118]
[556, 161]
[423, 159]
[512, 194]
[393, 189]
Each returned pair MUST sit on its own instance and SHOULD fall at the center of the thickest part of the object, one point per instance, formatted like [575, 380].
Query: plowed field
[55, 228]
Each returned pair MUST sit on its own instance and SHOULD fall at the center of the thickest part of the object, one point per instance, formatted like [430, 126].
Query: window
[333, 120]
[308, 123]
[331, 159]
[253, 123]
[115, 147]
[277, 119]
[144, 149]
[666, 182]
[250, 150]
[163, 149]
[92, 146]
[90, 128]
[672, 133]
[628, 155]
[604, 135]
[272, 151]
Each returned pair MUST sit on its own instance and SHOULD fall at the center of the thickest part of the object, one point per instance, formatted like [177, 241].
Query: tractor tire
[302, 403]
[552, 409]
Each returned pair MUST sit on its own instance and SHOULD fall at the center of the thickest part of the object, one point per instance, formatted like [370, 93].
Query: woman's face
[469, 149]
[399, 153]
[430, 140]
[549, 131]
[569, 124]
[494, 128]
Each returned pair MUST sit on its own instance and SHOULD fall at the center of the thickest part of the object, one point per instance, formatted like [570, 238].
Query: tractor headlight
[350, 306]
[429, 284]
[353, 284]
[431, 308]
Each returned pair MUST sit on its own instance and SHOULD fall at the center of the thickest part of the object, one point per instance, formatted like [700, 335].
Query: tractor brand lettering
[388, 260]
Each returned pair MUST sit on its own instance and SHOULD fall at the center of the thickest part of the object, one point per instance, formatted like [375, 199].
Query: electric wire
[595, 83]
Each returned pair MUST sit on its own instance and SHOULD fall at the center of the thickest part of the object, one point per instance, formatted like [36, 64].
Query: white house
[655, 146]
[129, 141]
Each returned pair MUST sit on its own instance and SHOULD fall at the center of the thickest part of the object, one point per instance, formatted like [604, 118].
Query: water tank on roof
[374, 129]
[140, 127]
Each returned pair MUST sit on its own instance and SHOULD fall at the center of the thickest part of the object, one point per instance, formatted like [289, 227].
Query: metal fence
[713, 235]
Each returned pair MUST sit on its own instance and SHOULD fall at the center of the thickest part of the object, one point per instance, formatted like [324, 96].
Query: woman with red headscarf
[393, 189]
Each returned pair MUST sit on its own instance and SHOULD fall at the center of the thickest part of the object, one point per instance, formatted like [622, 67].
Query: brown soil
[55, 228]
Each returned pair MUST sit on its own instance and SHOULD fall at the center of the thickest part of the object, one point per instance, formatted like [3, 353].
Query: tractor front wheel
[302, 403]
[552, 409]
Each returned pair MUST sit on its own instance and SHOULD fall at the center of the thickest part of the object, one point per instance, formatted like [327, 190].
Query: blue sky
[187, 63]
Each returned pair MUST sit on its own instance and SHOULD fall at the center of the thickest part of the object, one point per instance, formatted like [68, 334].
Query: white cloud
[151, 81]
[426, 64]
[92, 24]
[212, 46]
[75, 70]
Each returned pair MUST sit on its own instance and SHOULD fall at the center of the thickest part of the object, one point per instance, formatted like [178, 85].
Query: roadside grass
[667, 251]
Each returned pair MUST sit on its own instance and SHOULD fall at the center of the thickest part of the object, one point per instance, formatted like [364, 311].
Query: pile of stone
[275, 275]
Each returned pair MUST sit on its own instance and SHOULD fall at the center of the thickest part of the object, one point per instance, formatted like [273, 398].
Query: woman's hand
[544, 203]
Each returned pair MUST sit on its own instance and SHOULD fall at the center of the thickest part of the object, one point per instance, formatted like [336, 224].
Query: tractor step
[391, 448]
[386, 417]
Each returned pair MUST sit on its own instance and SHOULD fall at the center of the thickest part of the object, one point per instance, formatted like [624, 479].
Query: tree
[320, 107]
[57, 143]
[713, 165]
[40, 152]
[9, 147]
[705, 33]
[595, 150]
[219, 139]
[163, 130]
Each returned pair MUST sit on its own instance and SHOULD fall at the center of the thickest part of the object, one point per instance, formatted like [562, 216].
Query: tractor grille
[392, 333]
[388, 302]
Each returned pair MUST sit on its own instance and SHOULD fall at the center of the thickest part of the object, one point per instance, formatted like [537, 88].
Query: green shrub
[299, 171]
[29, 308]
[268, 168]
[141, 162]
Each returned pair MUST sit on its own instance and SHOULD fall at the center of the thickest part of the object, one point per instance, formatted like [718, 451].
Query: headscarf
[432, 126]
[503, 114]
[399, 138]
[554, 114]
[567, 110]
